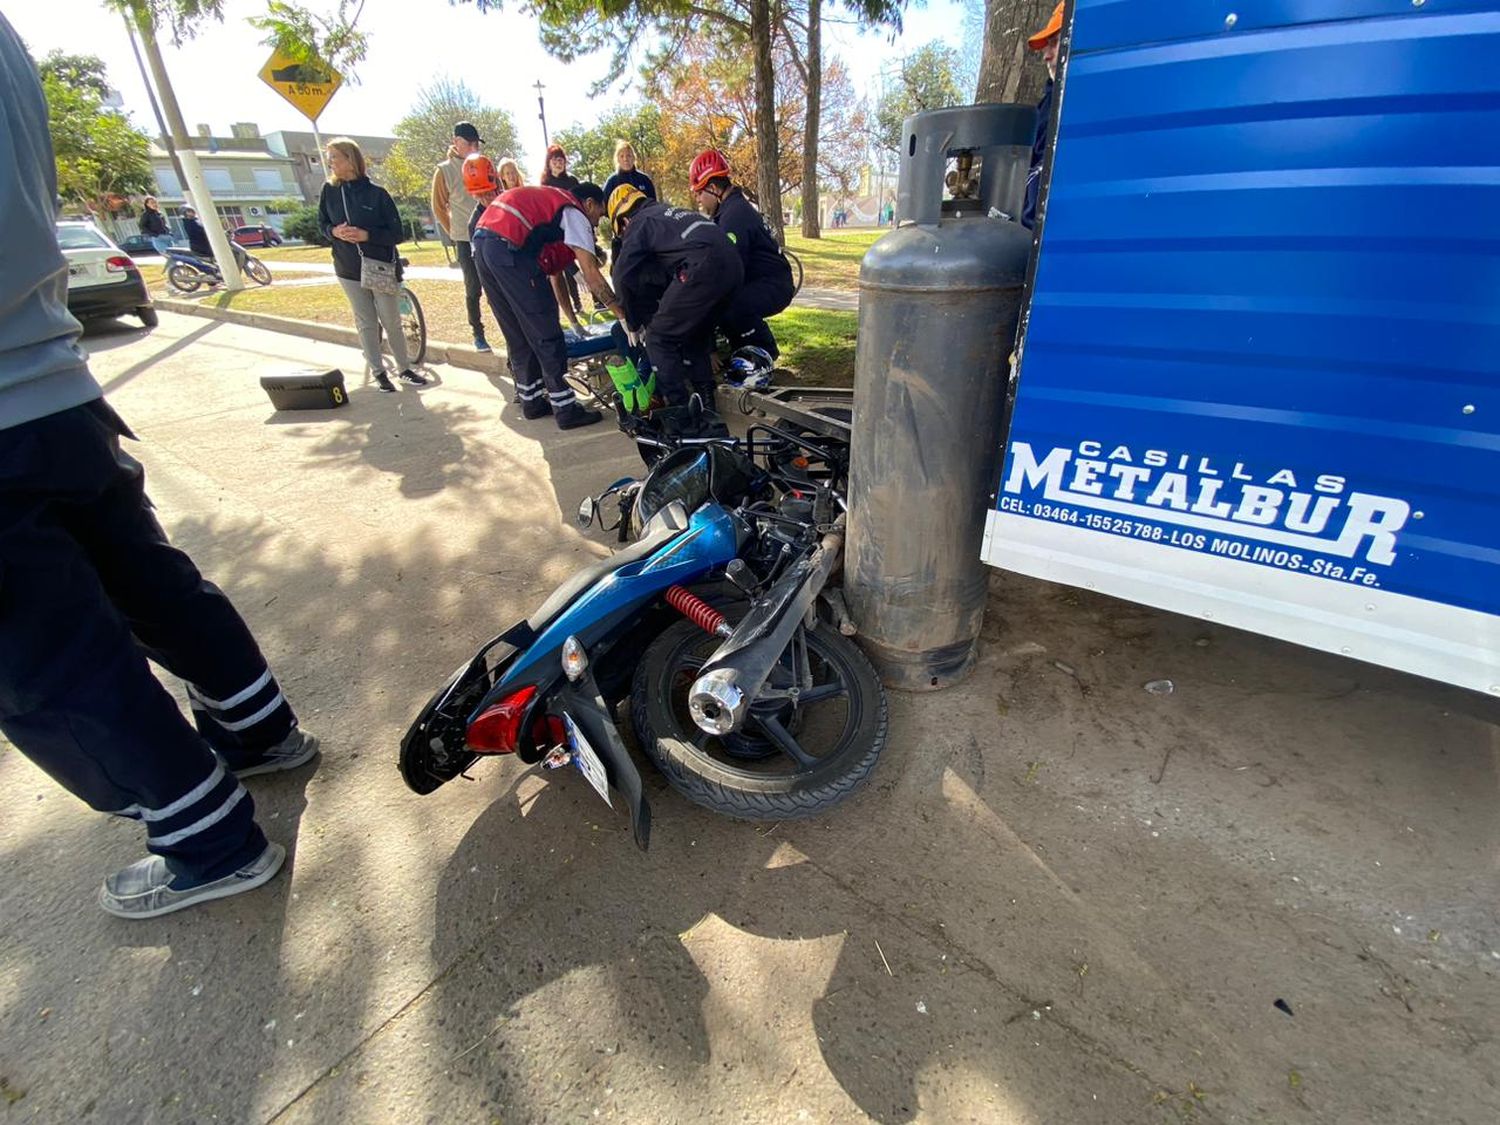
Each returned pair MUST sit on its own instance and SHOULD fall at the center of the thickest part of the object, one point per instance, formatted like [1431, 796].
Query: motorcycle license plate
[587, 760]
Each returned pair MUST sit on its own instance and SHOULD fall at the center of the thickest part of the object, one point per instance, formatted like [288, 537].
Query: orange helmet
[710, 164]
[479, 175]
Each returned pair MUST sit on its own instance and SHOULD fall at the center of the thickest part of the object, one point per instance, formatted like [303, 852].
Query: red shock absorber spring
[698, 611]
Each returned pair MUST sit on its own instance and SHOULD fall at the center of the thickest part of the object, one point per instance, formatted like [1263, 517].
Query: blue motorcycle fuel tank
[710, 541]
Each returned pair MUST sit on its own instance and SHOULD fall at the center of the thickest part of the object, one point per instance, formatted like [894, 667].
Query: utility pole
[542, 114]
[193, 183]
[161, 125]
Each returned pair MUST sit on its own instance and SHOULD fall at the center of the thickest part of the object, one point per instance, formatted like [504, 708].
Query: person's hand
[357, 234]
[633, 335]
[573, 317]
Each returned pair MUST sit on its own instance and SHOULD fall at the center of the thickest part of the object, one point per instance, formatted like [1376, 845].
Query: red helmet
[479, 175]
[710, 164]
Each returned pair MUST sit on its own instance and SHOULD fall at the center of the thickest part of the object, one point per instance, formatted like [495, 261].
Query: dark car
[137, 244]
[102, 280]
[256, 236]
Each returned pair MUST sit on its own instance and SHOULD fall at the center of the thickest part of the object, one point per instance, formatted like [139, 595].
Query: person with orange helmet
[768, 286]
[1048, 41]
[482, 183]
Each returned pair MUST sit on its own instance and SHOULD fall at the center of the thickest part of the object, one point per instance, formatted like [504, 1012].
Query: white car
[103, 281]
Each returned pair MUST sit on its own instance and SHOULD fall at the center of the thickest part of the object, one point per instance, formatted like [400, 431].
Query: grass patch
[430, 253]
[818, 344]
[832, 262]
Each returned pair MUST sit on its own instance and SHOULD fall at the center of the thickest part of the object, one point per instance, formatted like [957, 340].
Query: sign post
[308, 86]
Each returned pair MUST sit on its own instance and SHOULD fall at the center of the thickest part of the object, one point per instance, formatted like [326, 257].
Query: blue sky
[411, 42]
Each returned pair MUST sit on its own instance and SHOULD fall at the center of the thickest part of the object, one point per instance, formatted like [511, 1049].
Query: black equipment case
[308, 390]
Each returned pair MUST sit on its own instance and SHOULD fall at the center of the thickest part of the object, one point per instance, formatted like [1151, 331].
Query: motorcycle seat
[665, 526]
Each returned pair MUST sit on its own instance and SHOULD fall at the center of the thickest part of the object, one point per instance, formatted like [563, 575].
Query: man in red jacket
[522, 243]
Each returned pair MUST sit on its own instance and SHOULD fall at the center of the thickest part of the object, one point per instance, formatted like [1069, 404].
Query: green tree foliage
[303, 223]
[591, 149]
[99, 152]
[81, 72]
[406, 179]
[426, 132]
[328, 42]
[570, 29]
[928, 79]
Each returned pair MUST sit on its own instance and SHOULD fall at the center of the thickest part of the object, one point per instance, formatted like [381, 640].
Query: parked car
[138, 245]
[103, 281]
[256, 236]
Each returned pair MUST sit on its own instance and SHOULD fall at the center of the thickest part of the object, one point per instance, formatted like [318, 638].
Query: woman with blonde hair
[626, 172]
[360, 220]
[510, 174]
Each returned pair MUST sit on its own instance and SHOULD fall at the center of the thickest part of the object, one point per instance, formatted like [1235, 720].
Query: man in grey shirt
[90, 587]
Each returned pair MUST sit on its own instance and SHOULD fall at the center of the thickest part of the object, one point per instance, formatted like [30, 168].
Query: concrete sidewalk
[1062, 899]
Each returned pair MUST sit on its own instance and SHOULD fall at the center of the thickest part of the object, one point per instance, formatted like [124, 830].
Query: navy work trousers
[680, 336]
[89, 590]
[744, 319]
[521, 297]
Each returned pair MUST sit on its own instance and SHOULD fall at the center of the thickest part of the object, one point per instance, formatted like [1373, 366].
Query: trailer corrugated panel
[1262, 346]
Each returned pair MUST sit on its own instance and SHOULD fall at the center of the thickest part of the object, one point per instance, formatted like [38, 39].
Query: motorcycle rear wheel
[791, 761]
[185, 278]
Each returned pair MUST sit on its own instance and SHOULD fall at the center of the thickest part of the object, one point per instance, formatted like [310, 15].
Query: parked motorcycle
[715, 621]
[187, 273]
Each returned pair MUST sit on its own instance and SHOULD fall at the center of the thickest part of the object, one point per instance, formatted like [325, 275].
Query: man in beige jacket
[451, 208]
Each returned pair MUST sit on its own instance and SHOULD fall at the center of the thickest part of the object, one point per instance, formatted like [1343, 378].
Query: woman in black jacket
[359, 218]
[555, 174]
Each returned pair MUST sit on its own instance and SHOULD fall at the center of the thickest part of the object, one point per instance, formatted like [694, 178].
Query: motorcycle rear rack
[825, 410]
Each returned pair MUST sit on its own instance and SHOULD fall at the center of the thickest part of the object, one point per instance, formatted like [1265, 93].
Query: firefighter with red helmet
[768, 287]
[523, 241]
[676, 273]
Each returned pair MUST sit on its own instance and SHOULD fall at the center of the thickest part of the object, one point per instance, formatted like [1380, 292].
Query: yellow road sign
[308, 86]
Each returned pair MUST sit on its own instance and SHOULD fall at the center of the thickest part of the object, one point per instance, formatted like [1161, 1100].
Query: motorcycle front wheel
[259, 272]
[793, 759]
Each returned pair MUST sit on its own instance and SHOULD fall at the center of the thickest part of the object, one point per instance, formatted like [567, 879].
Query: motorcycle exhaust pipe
[719, 700]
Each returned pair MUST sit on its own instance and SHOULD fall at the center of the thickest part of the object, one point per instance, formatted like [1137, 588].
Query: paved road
[1062, 900]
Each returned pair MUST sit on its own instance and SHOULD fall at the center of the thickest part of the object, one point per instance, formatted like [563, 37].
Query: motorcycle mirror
[587, 510]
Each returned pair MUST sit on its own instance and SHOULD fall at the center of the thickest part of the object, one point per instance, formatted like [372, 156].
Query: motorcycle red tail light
[118, 265]
[497, 729]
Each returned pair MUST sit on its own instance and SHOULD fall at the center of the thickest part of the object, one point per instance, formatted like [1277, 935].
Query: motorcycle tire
[736, 782]
[258, 271]
[186, 279]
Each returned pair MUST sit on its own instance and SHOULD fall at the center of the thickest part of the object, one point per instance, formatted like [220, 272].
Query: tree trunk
[812, 125]
[767, 144]
[1008, 72]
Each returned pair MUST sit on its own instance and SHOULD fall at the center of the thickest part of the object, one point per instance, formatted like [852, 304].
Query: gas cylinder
[939, 301]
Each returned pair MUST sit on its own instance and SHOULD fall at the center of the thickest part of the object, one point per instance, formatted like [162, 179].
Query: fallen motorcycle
[715, 622]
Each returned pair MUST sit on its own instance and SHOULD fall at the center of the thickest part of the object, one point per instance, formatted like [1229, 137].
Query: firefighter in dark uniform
[676, 274]
[522, 242]
[768, 287]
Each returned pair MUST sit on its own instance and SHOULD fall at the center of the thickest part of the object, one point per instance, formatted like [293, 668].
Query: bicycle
[413, 320]
[796, 264]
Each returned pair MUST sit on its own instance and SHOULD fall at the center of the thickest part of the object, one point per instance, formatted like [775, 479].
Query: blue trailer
[1258, 379]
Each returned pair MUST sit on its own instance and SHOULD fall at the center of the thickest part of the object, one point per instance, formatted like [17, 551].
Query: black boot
[535, 408]
[572, 416]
